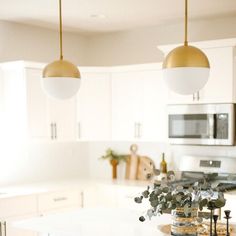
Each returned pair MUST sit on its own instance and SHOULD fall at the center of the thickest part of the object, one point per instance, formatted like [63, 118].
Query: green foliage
[167, 196]
[111, 155]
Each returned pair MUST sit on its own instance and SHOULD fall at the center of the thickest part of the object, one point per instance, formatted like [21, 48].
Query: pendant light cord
[186, 24]
[60, 16]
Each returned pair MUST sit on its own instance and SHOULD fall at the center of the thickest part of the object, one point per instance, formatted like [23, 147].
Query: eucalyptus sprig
[167, 196]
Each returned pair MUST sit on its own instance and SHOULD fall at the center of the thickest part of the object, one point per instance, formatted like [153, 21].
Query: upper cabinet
[29, 113]
[121, 103]
[139, 103]
[93, 113]
[220, 87]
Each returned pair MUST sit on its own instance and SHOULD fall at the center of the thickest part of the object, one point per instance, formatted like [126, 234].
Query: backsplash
[102, 169]
[42, 162]
[57, 161]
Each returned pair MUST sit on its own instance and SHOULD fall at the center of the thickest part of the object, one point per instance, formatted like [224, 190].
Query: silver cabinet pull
[135, 130]
[59, 199]
[1, 229]
[82, 199]
[198, 95]
[55, 130]
[139, 130]
[79, 130]
[5, 228]
[52, 133]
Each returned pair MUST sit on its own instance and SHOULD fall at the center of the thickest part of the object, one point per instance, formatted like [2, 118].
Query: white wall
[23, 42]
[23, 163]
[140, 45]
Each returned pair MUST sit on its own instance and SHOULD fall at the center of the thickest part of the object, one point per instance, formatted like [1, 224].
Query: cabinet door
[38, 117]
[94, 107]
[154, 109]
[139, 106]
[219, 88]
[62, 119]
[127, 104]
[10, 229]
[220, 85]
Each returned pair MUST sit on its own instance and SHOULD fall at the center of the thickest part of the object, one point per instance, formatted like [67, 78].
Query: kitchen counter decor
[184, 204]
[114, 159]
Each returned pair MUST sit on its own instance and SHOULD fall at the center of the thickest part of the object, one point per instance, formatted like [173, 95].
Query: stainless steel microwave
[202, 124]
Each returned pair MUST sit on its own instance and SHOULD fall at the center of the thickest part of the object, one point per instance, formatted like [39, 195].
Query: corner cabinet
[139, 104]
[220, 87]
[93, 101]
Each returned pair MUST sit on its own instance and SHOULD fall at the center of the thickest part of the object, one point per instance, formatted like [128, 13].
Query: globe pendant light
[61, 79]
[186, 68]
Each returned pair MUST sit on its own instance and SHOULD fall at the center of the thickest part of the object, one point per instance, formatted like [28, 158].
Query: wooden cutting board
[145, 168]
[132, 163]
[138, 167]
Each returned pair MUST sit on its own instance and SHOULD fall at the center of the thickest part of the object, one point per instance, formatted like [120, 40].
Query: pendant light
[61, 79]
[186, 68]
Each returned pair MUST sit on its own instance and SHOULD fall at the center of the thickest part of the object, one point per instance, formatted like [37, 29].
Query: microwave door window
[193, 126]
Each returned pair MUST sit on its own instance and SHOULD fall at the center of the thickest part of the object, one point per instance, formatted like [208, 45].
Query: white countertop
[96, 221]
[50, 186]
[44, 187]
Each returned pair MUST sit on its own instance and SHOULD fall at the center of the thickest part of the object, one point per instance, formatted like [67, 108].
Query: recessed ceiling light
[98, 16]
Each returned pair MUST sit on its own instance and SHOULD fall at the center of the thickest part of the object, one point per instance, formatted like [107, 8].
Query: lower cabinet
[19, 208]
[8, 229]
[114, 196]
[13, 209]
[56, 201]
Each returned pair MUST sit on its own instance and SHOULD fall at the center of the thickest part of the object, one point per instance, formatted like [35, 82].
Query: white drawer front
[47, 202]
[18, 206]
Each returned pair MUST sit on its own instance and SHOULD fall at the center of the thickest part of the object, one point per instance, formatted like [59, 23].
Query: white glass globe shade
[61, 87]
[186, 80]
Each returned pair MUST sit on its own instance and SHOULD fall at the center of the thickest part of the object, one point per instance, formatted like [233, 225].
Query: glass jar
[184, 224]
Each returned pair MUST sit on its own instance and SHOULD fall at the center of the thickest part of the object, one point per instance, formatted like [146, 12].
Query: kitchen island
[98, 221]
[95, 221]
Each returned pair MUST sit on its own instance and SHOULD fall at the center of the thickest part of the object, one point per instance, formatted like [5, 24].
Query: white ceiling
[120, 14]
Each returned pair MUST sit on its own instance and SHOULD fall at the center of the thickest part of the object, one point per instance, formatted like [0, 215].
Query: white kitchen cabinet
[37, 105]
[8, 228]
[28, 112]
[220, 87]
[55, 201]
[62, 119]
[94, 106]
[139, 104]
[16, 208]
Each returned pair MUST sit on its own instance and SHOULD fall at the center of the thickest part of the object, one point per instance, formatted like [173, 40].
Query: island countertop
[98, 221]
[95, 221]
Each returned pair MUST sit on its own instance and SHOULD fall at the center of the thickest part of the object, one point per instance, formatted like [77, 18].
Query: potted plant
[183, 203]
[114, 160]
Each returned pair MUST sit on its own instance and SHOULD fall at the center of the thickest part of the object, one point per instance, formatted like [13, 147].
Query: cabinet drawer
[18, 206]
[47, 202]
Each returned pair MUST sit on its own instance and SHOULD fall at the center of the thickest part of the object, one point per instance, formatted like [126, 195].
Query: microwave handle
[212, 126]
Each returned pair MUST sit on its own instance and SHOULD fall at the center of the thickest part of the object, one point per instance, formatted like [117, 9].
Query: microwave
[201, 124]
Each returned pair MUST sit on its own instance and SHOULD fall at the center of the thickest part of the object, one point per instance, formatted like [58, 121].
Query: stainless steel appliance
[220, 170]
[203, 124]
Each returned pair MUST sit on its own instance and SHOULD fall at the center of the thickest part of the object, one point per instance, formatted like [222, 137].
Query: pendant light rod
[186, 24]
[60, 20]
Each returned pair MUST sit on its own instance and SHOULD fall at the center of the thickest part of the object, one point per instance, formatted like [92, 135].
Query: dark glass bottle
[163, 165]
